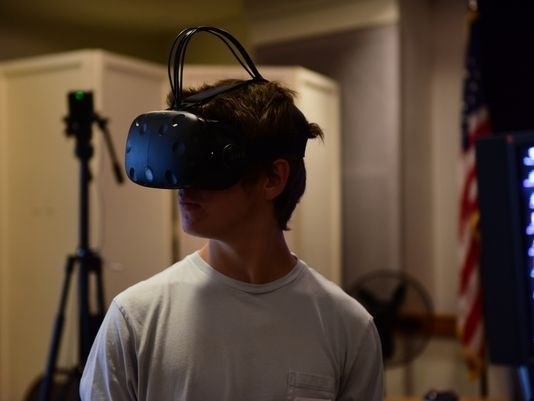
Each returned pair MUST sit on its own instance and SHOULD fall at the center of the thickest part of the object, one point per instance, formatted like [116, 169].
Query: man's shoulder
[155, 288]
[330, 295]
[343, 317]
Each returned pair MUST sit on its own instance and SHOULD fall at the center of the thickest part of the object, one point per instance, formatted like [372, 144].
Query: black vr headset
[175, 148]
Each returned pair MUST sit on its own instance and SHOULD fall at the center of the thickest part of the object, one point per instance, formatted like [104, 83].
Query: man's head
[266, 115]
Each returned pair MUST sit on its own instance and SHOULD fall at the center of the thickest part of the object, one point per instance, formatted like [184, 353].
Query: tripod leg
[46, 386]
[91, 264]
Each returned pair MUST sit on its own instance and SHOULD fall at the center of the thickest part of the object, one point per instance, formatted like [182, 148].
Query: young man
[243, 318]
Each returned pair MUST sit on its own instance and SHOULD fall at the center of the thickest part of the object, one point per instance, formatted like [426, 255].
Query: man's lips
[188, 203]
[189, 199]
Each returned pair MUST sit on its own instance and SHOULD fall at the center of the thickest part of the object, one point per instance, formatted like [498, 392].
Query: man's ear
[276, 180]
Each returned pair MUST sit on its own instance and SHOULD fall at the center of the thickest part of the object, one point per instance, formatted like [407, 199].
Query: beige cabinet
[133, 228]
[130, 226]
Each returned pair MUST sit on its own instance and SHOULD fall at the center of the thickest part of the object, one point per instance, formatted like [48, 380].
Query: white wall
[448, 42]
[279, 21]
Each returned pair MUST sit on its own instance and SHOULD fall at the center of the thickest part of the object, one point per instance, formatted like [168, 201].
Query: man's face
[222, 214]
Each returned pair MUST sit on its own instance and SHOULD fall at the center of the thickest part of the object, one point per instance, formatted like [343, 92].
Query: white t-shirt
[191, 333]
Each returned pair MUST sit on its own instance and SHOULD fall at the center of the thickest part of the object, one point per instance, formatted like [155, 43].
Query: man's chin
[195, 231]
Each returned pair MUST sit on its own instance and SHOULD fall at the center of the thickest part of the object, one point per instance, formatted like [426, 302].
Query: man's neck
[253, 260]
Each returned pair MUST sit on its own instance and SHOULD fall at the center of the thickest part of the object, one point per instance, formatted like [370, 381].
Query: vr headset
[175, 148]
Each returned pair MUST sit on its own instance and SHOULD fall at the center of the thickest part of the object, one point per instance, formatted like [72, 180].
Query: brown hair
[265, 112]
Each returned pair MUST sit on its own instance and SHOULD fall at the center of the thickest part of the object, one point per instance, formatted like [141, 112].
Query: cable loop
[177, 57]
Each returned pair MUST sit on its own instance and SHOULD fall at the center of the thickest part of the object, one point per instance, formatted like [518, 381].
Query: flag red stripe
[469, 264]
[467, 206]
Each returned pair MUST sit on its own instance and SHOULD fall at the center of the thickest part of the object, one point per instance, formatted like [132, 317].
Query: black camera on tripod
[63, 384]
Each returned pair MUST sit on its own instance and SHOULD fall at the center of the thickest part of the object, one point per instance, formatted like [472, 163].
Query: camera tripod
[89, 263]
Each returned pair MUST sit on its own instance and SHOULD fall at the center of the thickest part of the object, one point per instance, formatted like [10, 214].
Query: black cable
[181, 61]
[248, 64]
[221, 35]
[255, 73]
[178, 52]
[236, 55]
[172, 62]
[103, 125]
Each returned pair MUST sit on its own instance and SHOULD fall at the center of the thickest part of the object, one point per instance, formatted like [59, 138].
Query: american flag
[475, 124]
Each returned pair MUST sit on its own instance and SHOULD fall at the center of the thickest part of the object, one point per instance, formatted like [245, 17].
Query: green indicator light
[79, 95]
